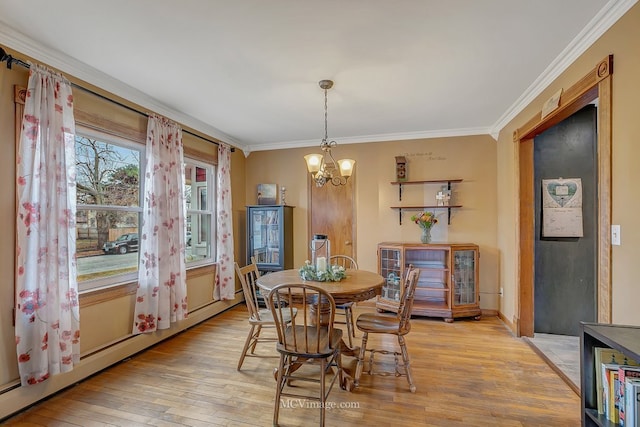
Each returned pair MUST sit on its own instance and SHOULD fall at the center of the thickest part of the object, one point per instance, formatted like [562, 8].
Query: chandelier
[323, 167]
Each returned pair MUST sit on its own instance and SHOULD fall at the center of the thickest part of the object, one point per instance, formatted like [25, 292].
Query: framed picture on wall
[267, 194]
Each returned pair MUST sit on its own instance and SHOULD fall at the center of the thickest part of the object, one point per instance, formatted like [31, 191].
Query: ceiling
[247, 71]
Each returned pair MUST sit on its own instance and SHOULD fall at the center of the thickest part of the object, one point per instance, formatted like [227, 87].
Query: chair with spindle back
[308, 340]
[346, 309]
[399, 325]
[258, 318]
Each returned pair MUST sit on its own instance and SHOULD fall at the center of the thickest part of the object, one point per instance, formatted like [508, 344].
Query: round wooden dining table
[359, 285]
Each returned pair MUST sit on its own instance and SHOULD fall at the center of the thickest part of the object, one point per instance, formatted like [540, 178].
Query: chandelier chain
[325, 115]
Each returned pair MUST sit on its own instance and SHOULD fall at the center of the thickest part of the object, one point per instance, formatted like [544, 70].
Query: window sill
[100, 295]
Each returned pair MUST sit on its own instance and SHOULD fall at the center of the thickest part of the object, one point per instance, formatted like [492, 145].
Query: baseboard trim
[507, 322]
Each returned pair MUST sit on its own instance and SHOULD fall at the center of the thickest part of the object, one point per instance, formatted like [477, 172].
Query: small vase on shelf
[425, 237]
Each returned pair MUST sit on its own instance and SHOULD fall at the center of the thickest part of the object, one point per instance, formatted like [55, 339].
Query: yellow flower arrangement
[425, 220]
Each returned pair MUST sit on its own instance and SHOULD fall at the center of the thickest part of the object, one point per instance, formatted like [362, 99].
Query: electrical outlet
[615, 235]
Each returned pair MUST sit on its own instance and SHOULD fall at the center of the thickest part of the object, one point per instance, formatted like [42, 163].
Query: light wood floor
[468, 373]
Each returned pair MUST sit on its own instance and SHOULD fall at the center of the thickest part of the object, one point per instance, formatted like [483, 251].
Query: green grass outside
[91, 276]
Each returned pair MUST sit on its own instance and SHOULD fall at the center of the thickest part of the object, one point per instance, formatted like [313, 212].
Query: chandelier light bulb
[346, 166]
[313, 162]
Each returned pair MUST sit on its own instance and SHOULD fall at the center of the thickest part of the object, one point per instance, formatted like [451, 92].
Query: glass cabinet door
[433, 283]
[464, 277]
[391, 270]
[265, 235]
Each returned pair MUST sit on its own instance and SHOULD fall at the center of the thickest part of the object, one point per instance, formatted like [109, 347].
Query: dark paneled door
[566, 267]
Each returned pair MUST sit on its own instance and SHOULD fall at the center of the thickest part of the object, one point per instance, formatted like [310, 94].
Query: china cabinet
[448, 284]
[270, 236]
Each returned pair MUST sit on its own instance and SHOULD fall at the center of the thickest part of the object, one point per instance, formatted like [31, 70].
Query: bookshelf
[625, 339]
[270, 236]
[448, 284]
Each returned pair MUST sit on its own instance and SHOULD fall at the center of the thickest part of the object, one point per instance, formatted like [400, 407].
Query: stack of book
[618, 387]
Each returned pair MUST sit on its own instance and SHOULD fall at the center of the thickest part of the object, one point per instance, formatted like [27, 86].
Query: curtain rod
[4, 56]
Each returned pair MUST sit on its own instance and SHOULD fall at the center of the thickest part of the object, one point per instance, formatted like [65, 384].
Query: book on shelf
[273, 238]
[631, 402]
[607, 355]
[274, 256]
[614, 398]
[625, 373]
[272, 217]
[608, 398]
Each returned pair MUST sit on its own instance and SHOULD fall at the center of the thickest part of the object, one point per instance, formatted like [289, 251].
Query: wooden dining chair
[306, 343]
[259, 319]
[346, 309]
[399, 325]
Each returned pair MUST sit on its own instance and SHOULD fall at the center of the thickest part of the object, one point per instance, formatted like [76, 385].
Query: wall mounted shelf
[437, 181]
[418, 208]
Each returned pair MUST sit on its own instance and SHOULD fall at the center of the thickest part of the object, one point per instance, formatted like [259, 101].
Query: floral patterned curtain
[47, 316]
[225, 279]
[162, 285]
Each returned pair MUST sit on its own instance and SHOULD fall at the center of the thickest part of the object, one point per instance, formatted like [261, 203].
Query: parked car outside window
[123, 244]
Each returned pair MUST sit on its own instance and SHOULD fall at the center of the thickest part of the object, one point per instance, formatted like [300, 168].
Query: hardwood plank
[468, 373]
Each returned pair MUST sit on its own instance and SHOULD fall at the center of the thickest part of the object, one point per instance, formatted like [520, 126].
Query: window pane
[187, 192]
[200, 202]
[196, 181]
[106, 244]
[198, 237]
[107, 174]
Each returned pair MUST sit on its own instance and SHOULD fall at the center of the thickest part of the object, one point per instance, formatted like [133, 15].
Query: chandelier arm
[320, 180]
[338, 180]
[335, 164]
[323, 168]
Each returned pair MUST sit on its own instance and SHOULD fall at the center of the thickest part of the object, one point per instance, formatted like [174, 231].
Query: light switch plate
[615, 235]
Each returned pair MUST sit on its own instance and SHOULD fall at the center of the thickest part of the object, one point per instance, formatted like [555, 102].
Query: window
[199, 185]
[108, 191]
[109, 208]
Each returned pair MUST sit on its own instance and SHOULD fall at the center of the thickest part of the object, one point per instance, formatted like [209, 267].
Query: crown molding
[66, 64]
[600, 23]
[444, 133]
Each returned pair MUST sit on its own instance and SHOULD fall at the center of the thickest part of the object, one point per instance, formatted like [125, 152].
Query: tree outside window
[108, 209]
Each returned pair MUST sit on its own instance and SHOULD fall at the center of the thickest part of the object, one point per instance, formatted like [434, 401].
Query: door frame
[596, 84]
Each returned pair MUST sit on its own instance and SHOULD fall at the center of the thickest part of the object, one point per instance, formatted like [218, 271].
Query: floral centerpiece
[333, 273]
[425, 220]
